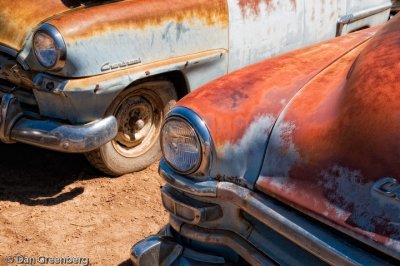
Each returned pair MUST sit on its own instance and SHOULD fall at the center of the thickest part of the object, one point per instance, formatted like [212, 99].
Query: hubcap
[138, 121]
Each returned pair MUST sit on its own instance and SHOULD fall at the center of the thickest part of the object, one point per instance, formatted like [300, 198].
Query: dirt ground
[56, 205]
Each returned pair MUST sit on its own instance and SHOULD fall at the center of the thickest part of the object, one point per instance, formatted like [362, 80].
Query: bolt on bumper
[50, 134]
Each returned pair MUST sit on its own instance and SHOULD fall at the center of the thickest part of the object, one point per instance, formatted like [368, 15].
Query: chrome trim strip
[225, 238]
[59, 41]
[350, 18]
[8, 51]
[199, 188]
[202, 132]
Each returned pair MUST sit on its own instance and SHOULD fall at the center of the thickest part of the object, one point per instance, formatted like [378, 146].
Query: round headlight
[180, 145]
[49, 47]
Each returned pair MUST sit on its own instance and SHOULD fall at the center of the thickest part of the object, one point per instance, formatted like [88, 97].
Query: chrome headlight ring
[200, 168]
[49, 47]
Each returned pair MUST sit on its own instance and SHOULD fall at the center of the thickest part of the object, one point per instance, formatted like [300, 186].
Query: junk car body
[97, 77]
[291, 161]
[395, 7]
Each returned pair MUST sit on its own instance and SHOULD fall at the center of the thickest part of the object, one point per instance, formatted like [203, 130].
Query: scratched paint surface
[344, 137]
[245, 104]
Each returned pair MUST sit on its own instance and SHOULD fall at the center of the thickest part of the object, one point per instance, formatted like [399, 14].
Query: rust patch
[229, 104]
[347, 135]
[139, 14]
[253, 6]
[294, 4]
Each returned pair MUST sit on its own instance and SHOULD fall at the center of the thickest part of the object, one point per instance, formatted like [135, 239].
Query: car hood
[240, 109]
[334, 152]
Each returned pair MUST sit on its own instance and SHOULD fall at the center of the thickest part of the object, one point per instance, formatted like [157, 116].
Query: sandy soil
[57, 205]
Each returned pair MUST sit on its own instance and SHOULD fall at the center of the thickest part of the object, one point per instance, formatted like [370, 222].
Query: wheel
[140, 111]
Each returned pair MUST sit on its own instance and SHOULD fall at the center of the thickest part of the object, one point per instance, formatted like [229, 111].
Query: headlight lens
[180, 145]
[49, 47]
[45, 49]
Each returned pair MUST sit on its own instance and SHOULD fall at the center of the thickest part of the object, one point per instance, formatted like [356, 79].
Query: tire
[140, 112]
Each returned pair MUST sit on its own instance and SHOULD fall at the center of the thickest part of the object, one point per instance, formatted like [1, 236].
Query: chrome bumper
[49, 134]
[259, 229]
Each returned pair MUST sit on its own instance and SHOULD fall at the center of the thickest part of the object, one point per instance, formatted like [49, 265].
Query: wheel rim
[139, 118]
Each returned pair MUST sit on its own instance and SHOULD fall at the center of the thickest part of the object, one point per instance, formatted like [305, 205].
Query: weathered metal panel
[86, 99]
[124, 34]
[321, 18]
[260, 29]
[264, 28]
[240, 110]
[338, 139]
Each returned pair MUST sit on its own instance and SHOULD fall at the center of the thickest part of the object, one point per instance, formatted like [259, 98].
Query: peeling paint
[242, 159]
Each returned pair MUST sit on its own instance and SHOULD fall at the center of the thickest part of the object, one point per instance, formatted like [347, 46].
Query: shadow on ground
[126, 263]
[34, 176]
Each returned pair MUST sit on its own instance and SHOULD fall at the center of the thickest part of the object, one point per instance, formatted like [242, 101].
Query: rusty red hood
[334, 152]
[240, 109]
[19, 18]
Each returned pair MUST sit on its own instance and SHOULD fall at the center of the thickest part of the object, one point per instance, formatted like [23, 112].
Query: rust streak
[139, 15]
[253, 6]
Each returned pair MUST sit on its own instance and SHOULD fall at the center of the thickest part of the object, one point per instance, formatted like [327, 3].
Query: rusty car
[291, 161]
[97, 77]
[395, 7]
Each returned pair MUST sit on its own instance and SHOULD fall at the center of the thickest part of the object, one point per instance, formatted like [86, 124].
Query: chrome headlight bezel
[200, 169]
[60, 47]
